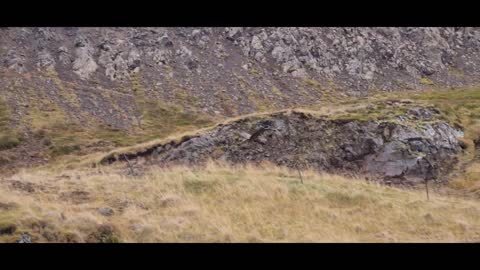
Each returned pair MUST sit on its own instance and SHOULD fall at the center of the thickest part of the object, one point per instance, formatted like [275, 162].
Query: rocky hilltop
[99, 72]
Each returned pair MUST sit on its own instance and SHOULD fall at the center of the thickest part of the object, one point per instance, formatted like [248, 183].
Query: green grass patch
[9, 138]
[426, 81]
[8, 141]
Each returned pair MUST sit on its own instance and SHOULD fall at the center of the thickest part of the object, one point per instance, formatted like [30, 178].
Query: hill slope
[74, 101]
[69, 200]
[100, 72]
[81, 90]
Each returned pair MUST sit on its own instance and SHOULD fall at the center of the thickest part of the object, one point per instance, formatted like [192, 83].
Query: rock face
[409, 148]
[231, 71]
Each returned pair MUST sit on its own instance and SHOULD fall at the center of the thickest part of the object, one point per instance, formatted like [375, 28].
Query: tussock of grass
[219, 203]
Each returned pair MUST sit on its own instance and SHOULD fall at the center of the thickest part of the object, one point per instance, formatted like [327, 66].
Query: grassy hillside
[460, 107]
[60, 202]
[225, 204]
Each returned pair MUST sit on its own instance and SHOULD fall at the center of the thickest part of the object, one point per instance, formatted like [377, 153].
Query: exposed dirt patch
[25, 186]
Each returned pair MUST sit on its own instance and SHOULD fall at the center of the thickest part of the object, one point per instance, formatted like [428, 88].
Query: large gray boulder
[406, 148]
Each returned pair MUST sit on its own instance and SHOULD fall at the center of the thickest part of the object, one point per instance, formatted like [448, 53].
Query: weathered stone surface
[84, 64]
[400, 151]
[105, 211]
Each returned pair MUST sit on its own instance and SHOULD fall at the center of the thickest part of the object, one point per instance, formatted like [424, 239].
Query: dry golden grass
[219, 203]
[469, 182]
[59, 202]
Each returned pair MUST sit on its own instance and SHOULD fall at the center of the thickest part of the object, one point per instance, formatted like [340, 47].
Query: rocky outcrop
[84, 64]
[234, 70]
[407, 148]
